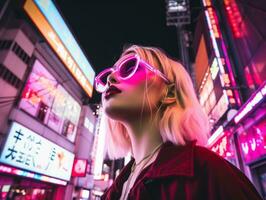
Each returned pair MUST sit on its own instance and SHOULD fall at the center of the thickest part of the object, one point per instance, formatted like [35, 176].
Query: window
[20, 53]
[42, 111]
[5, 44]
[9, 77]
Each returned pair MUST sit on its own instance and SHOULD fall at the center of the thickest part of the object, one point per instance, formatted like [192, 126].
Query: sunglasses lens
[128, 67]
[104, 77]
[101, 80]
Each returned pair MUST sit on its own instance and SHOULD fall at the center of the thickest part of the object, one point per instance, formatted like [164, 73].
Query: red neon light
[215, 29]
[234, 18]
[249, 78]
[256, 75]
[15, 171]
[79, 167]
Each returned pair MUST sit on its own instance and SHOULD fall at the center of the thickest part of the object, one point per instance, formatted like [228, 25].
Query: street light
[177, 12]
[178, 15]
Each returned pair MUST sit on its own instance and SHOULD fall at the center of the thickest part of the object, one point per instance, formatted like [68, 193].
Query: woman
[152, 112]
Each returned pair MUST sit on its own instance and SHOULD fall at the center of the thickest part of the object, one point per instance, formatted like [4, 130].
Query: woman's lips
[111, 91]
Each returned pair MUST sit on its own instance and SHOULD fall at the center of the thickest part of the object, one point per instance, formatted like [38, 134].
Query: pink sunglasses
[126, 69]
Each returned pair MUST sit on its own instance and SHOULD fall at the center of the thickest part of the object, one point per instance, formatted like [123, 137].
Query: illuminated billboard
[79, 167]
[211, 95]
[52, 26]
[44, 98]
[26, 149]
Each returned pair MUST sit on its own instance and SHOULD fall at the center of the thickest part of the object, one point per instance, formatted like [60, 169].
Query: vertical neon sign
[234, 18]
[227, 79]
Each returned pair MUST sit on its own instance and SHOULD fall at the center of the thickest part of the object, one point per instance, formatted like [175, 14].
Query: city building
[230, 74]
[46, 128]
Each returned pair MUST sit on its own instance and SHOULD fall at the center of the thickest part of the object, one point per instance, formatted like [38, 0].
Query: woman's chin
[121, 113]
[113, 113]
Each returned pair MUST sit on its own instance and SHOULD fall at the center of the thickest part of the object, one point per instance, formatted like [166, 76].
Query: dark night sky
[102, 28]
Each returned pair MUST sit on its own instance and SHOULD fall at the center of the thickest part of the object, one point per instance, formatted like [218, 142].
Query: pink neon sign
[223, 147]
[253, 142]
[255, 99]
[217, 41]
[15, 171]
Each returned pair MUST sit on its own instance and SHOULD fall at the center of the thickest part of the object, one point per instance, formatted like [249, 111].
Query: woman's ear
[170, 96]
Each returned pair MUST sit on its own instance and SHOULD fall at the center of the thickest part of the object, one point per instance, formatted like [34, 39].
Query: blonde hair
[180, 123]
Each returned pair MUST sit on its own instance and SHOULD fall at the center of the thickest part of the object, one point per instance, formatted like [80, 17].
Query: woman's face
[133, 97]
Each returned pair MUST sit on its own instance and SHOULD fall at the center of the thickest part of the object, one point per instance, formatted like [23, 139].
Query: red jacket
[186, 173]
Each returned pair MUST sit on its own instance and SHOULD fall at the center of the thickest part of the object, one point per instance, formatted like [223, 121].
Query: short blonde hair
[180, 123]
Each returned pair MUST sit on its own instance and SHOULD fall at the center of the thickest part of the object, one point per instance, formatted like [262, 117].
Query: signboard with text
[52, 26]
[26, 149]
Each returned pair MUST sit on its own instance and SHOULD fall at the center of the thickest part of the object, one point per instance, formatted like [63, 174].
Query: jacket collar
[172, 160]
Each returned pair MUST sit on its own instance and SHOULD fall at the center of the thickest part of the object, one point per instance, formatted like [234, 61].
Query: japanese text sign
[28, 150]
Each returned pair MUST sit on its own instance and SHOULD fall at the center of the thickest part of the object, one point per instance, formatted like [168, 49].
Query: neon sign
[253, 142]
[216, 38]
[15, 171]
[214, 69]
[79, 167]
[219, 143]
[63, 110]
[222, 148]
[27, 150]
[51, 13]
[99, 145]
[255, 99]
[64, 46]
[218, 133]
[213, 21]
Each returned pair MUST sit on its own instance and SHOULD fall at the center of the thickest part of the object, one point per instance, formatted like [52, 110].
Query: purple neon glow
[218, 133]
[255, 99]
[19, 172]
[253, 142]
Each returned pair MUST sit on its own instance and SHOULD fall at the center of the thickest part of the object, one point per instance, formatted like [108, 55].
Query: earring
[170, 96]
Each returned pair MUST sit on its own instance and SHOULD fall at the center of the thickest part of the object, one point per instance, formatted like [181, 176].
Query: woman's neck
[144, 136]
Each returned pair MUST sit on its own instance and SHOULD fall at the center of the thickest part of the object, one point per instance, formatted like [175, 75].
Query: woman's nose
[112, 78]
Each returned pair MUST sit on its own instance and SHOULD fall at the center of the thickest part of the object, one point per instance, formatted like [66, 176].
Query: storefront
[242, 141]
[33, 167]
[12, 187]
[252, 142]
[251, 134]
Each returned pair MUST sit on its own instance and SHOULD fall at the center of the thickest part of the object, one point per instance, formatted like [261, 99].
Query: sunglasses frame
[101, 87]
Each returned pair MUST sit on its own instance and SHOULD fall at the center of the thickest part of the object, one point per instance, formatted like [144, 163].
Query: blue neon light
[51, 13]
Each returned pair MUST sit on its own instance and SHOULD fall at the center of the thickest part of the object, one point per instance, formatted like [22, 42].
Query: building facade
[230, 71]
[45, 128]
